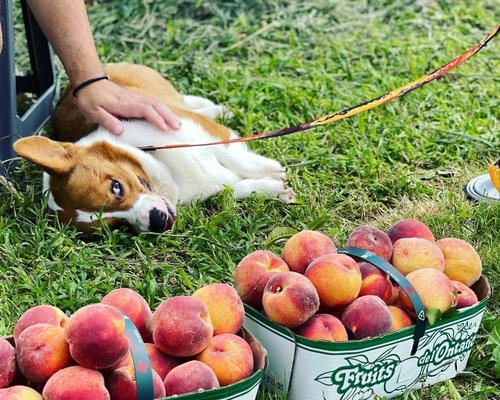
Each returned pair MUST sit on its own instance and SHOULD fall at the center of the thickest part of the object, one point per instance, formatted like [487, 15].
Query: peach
[372, 239]
[124, 362]
[43, 314]
[374, 282]
[252, 274]
[304, 247]
[224, 306]
[465, 296]
[193, 376]
[336, 277]
[367, 316]
[96, 336]
[411, 254]
[19, 393]
[462, 263]
[76, 383]
[400, 319]
[160, 362]
[290, 299]
[182, 326]
[410, 228]
[230, 357]
[434, 288]
[323, 327]
[134, 306]
[122, 384]
[393, 298]
[41, 351]
[7, 363]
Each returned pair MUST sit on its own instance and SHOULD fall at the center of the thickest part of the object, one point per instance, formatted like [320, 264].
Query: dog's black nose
[159, 221]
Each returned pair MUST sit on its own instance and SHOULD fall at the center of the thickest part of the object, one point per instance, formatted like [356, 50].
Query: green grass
[277, 63]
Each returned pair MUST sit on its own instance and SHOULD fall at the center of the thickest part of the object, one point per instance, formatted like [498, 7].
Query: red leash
[347, 112]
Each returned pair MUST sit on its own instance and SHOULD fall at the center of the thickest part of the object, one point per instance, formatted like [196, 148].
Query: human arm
[66, 25]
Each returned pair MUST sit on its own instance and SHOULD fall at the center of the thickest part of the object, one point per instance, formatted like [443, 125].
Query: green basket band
[142, 366]
[401, 280]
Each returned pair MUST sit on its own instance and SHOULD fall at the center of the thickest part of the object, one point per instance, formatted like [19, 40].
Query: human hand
[102, 101]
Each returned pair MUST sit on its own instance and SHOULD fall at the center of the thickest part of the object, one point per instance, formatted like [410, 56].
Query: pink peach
[96, 336]
[465, 296]
[160, 362]
[43, 314]
[193, 376]
[76, 383]
[182, 326]
[375, 282]
[134, 306]
[367, 316]
[122, 384]
[336, 277]
[41, 351]
[252, 274]
[304, 247]
[230, 357]
[411, 254]
[323, 327]
[462, 263]
[434, 288]
[19, 393]
[224, 306]
[410, 228]
[372, 239]
[7, 363]
[400, 319]
[290, 299]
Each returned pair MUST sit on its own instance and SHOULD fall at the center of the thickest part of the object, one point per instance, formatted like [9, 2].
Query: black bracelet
[88, 82]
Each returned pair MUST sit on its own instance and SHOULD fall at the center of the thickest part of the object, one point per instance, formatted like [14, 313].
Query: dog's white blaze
[137, 216]
[46, 191]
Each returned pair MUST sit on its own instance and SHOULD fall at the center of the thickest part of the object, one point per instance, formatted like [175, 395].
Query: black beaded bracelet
[88, 82]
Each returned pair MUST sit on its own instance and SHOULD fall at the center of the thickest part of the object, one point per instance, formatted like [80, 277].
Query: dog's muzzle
[160, 221]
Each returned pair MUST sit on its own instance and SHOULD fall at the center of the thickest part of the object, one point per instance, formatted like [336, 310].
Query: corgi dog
[91, 175]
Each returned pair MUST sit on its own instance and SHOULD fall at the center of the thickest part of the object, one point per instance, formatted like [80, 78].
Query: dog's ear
[53, 157]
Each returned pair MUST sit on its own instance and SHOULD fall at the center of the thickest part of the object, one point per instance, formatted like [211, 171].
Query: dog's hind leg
[272, 187]
[247, 164]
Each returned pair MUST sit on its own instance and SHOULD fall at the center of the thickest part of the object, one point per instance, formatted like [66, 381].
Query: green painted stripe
[339, 348]
[229, 392]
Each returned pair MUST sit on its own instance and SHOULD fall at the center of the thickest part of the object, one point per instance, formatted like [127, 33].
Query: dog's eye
[145, 183]
[117, 189]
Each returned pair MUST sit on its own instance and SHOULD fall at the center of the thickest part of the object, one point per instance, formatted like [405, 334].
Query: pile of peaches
[192, 343]
[324, 295]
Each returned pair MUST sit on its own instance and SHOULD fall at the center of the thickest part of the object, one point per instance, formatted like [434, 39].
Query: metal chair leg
[8, 117]
[41, 81]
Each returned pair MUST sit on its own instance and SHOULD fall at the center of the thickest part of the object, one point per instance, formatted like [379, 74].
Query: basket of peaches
[322, 294]
[190, 346]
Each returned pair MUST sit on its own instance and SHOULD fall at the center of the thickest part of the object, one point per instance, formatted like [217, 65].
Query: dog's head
[98, 179]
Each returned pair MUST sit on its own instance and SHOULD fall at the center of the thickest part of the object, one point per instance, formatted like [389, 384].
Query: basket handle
[401, 280]
[142, 366]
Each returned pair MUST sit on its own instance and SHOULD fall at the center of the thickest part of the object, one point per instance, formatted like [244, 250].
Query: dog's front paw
[287, 194]
[226, 113]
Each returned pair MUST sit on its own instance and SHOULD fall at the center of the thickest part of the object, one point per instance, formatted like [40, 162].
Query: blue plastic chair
[41, 81]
